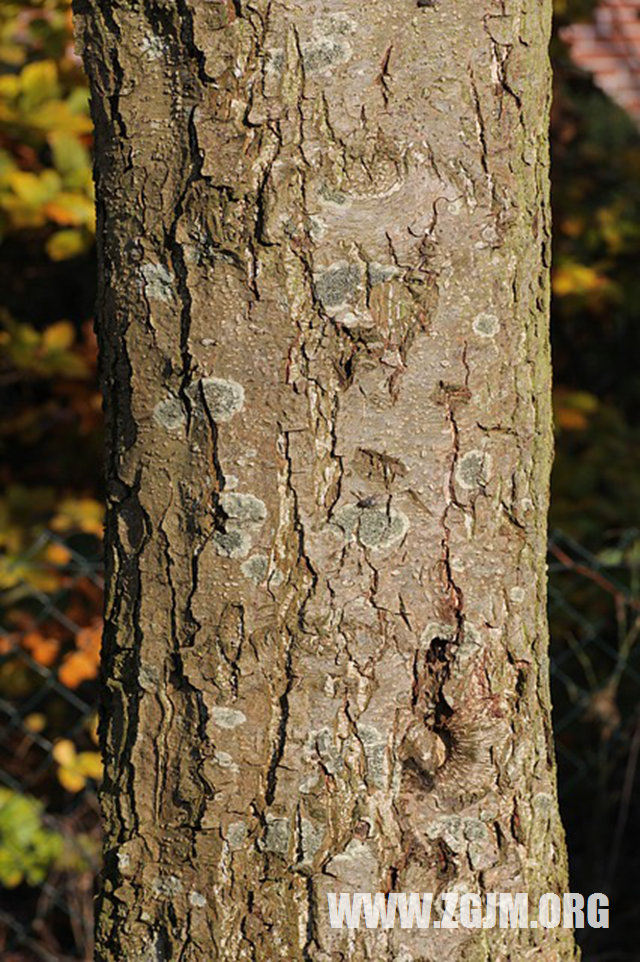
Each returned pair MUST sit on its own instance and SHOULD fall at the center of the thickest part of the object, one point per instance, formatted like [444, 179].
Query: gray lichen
[380, 273]
[227, 717]
[373, 527]
[374, 745]
[242, 509]
[276, 835]
[232, 544]
[331, 195]
[337, 24]
[346, 518]
[325, 52]
[255, 568]
[486, 325]
[379, 529]
[236, 834]
[223, 398]
[311, 836]
[275, 60]
[244, 513]
[166, 887]
[327, 750]
[224, 760]
[158, 282]
[473, 470]
[334, 286]
[170, 414]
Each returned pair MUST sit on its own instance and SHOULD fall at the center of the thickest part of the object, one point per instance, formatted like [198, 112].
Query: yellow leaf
[89, 764]
[74, 768]
[576, 279]
[56, 115]
[11, 878]
[33, 188]
[64, 752]
[9, 86]
[65, 244]
[92, 727]
[73, 208]
[58, 336]
[71, 780]
[83, 513]
[39, 82]
[35, 722]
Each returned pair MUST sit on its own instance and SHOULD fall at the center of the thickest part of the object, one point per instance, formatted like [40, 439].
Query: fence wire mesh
[50, 623]
[50, 628]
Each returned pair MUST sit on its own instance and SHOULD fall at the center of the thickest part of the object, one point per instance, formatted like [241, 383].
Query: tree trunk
[323, 311]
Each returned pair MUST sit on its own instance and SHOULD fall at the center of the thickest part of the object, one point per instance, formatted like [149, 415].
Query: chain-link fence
[50, 629]
[49, 766]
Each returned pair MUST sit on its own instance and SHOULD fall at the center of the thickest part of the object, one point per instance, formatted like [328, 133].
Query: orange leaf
[7, 644]
[89, 639]
[77, 667]
[570, 419]
[43, 650]
[57, 554]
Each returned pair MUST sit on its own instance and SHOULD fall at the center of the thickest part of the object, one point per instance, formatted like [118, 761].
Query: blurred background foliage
[51, 428]
[596, 304]
[50, 481]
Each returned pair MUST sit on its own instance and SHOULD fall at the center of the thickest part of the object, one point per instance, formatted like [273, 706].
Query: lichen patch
[381, 529]
[255, 568]
[373, 527]
[170, 414]
[153, 47]
[242, 509]
[223, 398]
[236, 834]
[473, 470]
[374, 744]
[337, 284]
[325, 52]
[380, 273]
[276, 836]
[311, 835]
[232, 544]
[166, 887]
[486, 325]
[227, 717]
[334, 196]
[158, 282]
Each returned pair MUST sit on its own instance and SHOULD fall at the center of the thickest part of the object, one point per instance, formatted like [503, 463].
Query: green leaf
[70, 157]
[27, 848]
[38, 83]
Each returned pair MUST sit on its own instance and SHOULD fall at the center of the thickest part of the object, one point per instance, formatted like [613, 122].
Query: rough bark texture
[324, 242]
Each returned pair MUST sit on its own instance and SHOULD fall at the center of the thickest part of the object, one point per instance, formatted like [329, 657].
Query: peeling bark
[324, 243]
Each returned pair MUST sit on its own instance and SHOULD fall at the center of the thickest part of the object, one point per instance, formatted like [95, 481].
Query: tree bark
[323, 320]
